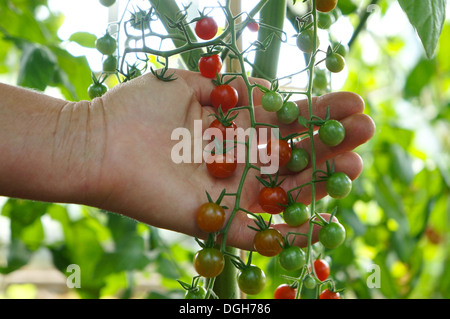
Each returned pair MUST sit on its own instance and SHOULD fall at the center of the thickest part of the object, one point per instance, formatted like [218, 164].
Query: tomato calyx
[161, 75]
[193, 290]
[225, 119]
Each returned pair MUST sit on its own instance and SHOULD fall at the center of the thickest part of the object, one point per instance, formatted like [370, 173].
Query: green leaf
[84, 39]
[427, 17]
[419, 77]
[37, 67]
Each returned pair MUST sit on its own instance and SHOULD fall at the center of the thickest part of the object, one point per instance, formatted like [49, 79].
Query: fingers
[203, 86]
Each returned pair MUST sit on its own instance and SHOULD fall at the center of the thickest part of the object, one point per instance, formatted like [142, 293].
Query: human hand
[139, 179]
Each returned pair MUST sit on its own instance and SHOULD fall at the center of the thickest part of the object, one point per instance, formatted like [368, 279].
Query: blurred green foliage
[397, 217]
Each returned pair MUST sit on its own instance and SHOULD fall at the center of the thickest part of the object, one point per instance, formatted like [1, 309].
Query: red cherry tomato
[224, 130]
[210, 65]
[282, 150]
[328, 294]
[284, 291]
[253, 26]
[271, 199]
[206, 28]
[222, 165]
[225, 96]
[322, 269]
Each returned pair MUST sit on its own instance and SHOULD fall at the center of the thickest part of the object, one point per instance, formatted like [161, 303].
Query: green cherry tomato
[299, 160]
[106, 44]
[305, 41]
[209, 262]
[331, 133]
[309, 282]
[195, 293]
[325, 20]
[296, 214]
[110, 64]
[320, 80]
[338, 185]
[272, 101]
[288, 113]
[332, 235]
[96, 90]
[251, 280]
[292, 258]
[335, 62]
[107, 3]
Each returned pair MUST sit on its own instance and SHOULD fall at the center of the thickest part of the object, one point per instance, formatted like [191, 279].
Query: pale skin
[114, 152]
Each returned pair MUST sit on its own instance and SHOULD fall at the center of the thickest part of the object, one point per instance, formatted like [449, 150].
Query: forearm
[50, 149]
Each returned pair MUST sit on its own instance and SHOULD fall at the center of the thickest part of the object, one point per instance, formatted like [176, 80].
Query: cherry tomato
[253, 26]
[206, 28]
[305, 41]
[332, 235]
[251, 280]
[106, 44]
[195, 293]
[309, 282]
[96, 90]
[320, 80]
[271, 199]
[292, 258]
[282, 150]
[110, 64]
[296, 214]
[322, 269]
[223, 165]
[209, 262]
[210, 217]
[107, 3]
[225, 96]
[210, 65]
[331, 133]
[284, 291]
[324, 20]
[272, 101]
[326, 5]
[299, 160]
[338, 185]
[268, 242]
[288, 113]
[224, 130]
[335, 62]
[328, 294]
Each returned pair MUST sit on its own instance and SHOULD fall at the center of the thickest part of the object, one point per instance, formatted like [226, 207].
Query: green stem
[266, 62]
[169, 9]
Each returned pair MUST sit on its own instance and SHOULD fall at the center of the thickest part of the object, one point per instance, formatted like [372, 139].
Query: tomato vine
[209, 260]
